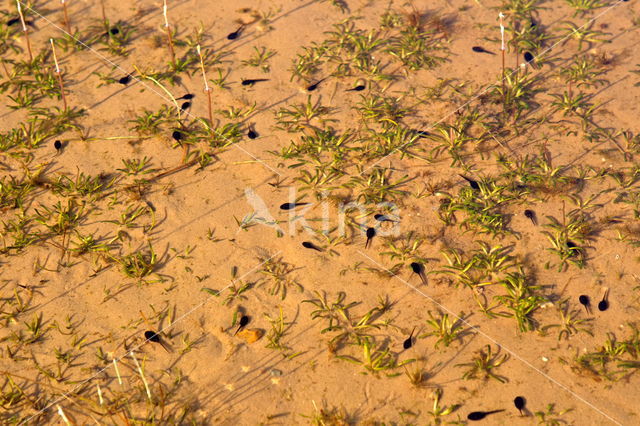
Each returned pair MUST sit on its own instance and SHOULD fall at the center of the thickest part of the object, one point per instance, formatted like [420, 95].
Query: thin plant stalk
[515, 43]
[206, 84]
[144, 380]
[100, 398]
[104, 15]
[25, 30]
[169, 38]
[67, 24]
[59, 74]
[115, 367]
[502, 51]
[63, 415]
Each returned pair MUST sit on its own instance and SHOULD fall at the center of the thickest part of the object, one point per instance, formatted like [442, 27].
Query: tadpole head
[177, 135]
[151, 336]
[244, 320]
[416, 267]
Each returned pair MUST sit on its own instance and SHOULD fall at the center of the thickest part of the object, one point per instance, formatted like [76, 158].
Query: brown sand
[226, 381]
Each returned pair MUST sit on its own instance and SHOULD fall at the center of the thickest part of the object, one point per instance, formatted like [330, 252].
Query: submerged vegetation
[449, 217]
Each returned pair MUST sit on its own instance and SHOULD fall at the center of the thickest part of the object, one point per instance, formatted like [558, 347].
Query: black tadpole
[185, 106]
[479, 415]
[409, 341]
[519, 402]
[244, 320]
[125, 80]
[383, 218]
[252, 134]
[154, 337]
[371, 232]
[603, 305]
[528, 57]
[472, 183]
[57, 145]
[186, 97]
[290, 206]
[358, 88]
[480, 49]
[177, 135]
[586, 302]
[418, 269]
[114, 31]
[531, 215]
[422, 133]
[310, 245]
[315, 85]
[251, 82]
[234, 35]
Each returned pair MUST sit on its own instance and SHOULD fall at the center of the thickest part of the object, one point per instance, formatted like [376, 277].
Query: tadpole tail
[423, 277]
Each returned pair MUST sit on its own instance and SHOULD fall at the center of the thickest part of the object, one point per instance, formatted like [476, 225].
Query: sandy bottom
[196, 237]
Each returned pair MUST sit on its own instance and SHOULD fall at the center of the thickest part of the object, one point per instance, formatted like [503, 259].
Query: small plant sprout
[207, 89]
[59, 74]
[25, 31]
[168, 29]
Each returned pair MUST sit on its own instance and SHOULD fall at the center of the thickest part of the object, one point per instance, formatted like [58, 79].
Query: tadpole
[528, 57]
[186, 97]
[418, 269]
[252, 134]
[177, 135]
[371, 232]
[383, 218]
[244, 320]
[154, 337]
[125, 80]
[603, 305]
[234, 35]
[315, 85]
[531, 215]
[290, 206]
[57, 145]
[480, 49]
[422, 133]
[251, 82]
[358, 88]
[586, 302]
[472, 183]
[409, 341]
[185, 106]
[310, 245]
[479, 415]
[519, 402]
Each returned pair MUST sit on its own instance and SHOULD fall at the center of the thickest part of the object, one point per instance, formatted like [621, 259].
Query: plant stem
[169, 38]
[66, 17]
[25, 31]
[59, 74]
[206, 85]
